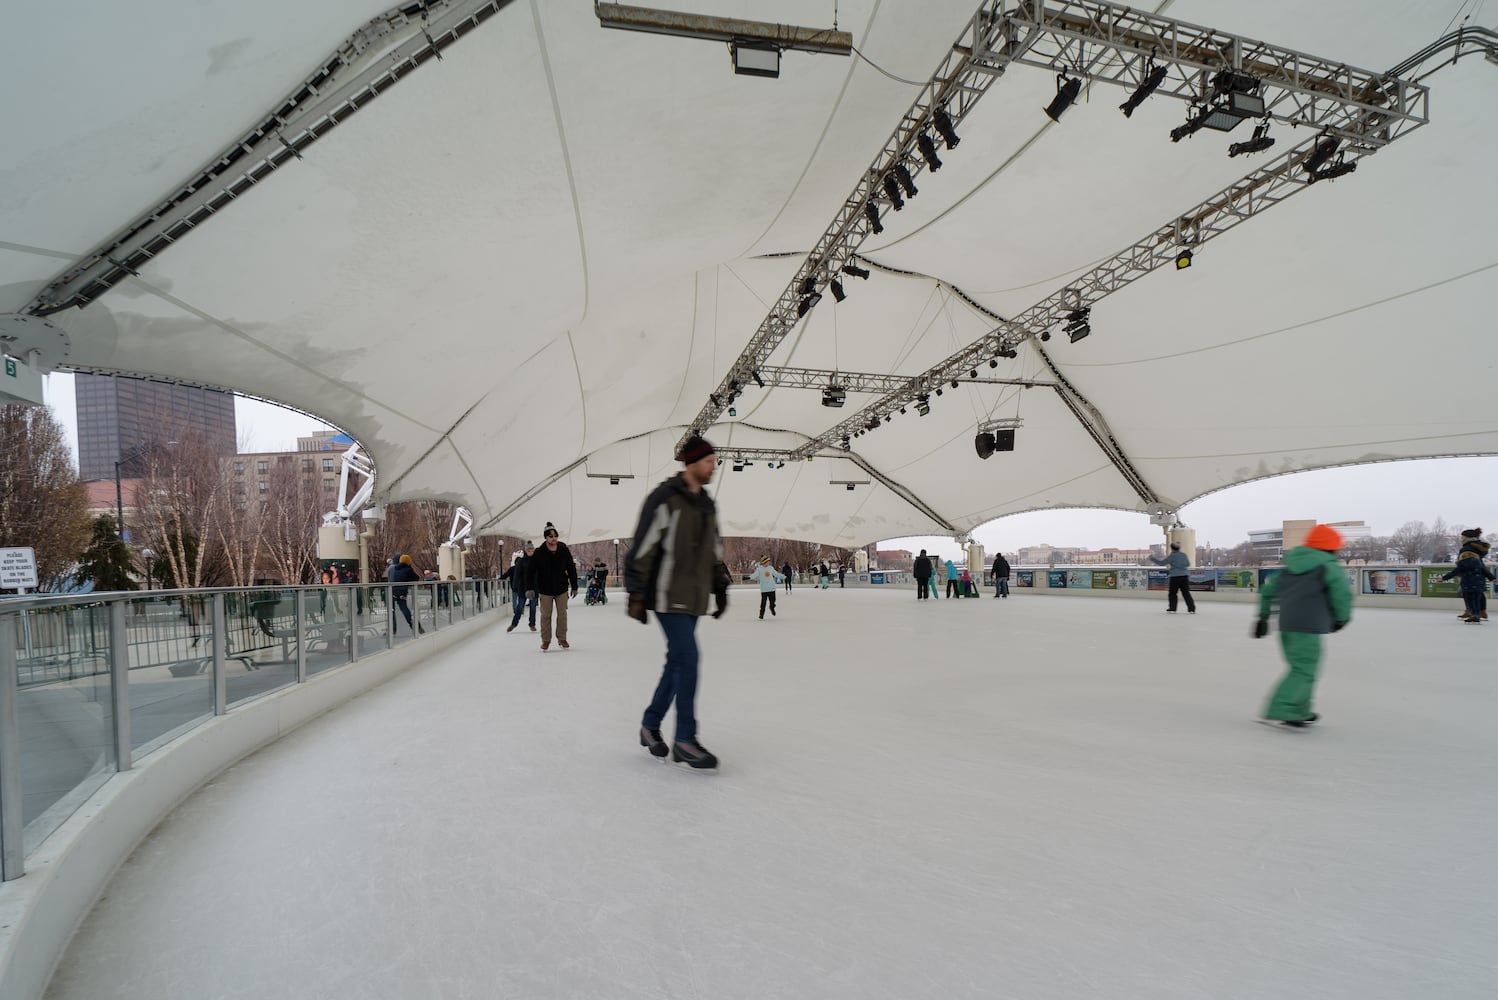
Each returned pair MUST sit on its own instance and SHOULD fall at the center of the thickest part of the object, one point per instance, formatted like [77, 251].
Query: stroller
[596, 593]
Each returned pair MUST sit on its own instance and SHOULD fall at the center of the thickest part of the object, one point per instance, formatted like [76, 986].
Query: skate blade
[1280, 725]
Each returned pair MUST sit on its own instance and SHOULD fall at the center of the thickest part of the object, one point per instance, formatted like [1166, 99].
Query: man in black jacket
[675, 561]
[922, 575]
[401, 571]
[553, 576]
[520, 588]
[1000, 575]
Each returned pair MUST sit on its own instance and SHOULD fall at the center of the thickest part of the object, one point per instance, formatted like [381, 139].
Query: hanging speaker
[1003, 440]
[984, 444]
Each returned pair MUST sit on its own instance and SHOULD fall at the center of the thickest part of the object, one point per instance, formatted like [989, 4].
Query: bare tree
[42, 503]
[180, 498]
[1408, 542]
[287, 516]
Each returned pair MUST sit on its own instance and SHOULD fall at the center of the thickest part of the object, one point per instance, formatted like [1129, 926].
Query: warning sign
[17, 568]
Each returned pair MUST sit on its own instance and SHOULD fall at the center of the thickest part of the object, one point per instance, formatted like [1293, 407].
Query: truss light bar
[1328, 173]
[943, 123]
[892, 192]
[1077, 331]
[928, 150]
[612, 477]
[854, 271]
[849, 483]
[834, 395]
[755, 58]
[1067, 89]
[735, 31]
[1323, 151]
[1149, 86]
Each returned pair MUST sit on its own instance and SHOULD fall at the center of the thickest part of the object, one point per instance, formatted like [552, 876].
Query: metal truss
[372, 59]
[869, 382]
[1117, 45]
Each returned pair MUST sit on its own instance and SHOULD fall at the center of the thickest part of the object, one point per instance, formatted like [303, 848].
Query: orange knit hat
[1323, 537]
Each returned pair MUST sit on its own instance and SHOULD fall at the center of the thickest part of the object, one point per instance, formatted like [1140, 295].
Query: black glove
[574, 591]
[721, 597]
[1338, 626]
[1261, 628]
[636, 608]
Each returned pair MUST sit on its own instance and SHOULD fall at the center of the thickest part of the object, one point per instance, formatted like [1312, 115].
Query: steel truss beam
[372, 59]
[869, 382]
[1114, 44]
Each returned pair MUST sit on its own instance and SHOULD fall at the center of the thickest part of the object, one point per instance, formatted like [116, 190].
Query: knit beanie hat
[1323, 537]
[764, 560]
[695, 449]
[406, 560]
[1472, 533]
[550, 531]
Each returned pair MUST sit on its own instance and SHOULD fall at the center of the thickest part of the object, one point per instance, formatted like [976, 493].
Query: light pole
[616, 558]
[148, 555]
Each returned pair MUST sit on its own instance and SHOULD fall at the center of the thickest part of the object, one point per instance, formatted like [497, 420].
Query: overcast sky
[1385, 495]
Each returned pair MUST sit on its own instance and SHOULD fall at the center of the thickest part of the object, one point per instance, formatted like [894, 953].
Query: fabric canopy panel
[521, 270]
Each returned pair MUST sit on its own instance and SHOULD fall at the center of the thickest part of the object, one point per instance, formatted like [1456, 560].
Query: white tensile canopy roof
[525, 266]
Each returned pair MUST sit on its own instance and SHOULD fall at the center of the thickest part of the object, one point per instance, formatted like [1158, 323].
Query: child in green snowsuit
[1314, 598]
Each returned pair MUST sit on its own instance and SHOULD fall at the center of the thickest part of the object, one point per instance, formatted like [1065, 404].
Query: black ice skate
[651, 738]
[693, 754]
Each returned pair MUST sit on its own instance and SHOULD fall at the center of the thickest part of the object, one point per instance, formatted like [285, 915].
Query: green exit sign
[10, 367]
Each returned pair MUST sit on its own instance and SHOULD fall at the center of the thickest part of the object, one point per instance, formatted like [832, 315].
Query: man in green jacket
[1314, 598]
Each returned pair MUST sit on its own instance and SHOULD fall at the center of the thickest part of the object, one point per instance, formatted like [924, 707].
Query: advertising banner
[1431, 584]
[1024, 578]
[1200, 579]
[1235, 579]
[1159, 579]
[1104, 579]
[1055, 579]
[1133, 579]
[1390, 581]
[1265, 575]
[1079, 579]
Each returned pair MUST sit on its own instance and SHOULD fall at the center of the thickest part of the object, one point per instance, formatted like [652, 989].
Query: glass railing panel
[261, 643]
[169, 644]
[64, 712]
[329, 611]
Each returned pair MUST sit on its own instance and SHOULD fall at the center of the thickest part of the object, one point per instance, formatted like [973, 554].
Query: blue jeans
[517, 601]
[1001, 587]
[678, 679]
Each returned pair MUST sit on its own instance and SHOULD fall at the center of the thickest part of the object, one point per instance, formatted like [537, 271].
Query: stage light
[1322, 152]
[1261, 141]
[738, 465]
[716, 401]
[1077, 331]
[1149, 86]
[733, 412]
[1328, 173]
[850, 487]
[1183, 260]
[983, 444]
[1067, 89]
[1045, 335]
[902, 411]
[938, 390]
[872, 211]
[854, 271]
[1192, 126]
[804, 306]
[906, 181]
[943, 123]
[613, 480]
[757, 380]
[973, 373]
[834, 395]
[892, 192]
[928, 150]
[954, 383]
[837, 290]
[923, 406]
[993, 362]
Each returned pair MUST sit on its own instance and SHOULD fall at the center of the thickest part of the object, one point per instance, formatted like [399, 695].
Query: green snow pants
[1291, 701]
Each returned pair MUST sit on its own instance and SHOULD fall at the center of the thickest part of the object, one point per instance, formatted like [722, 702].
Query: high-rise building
[119, 417]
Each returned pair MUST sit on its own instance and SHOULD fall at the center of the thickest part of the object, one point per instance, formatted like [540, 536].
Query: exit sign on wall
[21, 384]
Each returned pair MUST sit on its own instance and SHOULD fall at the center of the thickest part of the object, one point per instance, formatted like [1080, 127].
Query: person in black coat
[922, 575]
[1000, 575]
[553, 576]
[520, 590]
[401, 571]
[787, 572]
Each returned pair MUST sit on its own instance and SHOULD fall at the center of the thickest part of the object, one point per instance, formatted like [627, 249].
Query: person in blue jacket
[1180, 582]
[952, 590]
[401, 571]
[1472, 575]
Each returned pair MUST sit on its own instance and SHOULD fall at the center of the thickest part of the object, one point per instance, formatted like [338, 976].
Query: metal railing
[90, 684]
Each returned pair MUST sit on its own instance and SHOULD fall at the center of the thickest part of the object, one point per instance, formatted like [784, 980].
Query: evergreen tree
[106, 561]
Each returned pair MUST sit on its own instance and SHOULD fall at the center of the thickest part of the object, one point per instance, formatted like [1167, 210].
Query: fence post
[12, 830]
[220, 640]
[119, 685]
[301, 637]
[353, 628]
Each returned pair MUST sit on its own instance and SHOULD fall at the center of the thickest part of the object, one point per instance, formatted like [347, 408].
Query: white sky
[1385, 495]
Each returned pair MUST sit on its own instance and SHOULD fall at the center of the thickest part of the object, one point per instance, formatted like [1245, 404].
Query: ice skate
[652, 741]
[694, 755]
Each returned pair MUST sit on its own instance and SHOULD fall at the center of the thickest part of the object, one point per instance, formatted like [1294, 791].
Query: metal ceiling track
[381, 53]
[1361, 109]
[870, 382]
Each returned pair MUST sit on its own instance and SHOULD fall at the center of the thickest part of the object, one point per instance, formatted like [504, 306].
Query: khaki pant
[547, 602]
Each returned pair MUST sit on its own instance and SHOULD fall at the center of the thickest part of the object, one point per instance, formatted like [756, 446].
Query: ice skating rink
[1045, 798]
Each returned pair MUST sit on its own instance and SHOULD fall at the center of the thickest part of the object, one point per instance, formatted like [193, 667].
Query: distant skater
[922, 573]
[1472, 575]
[764, 574]
[1180, 577]
[1314, 598]
[1000, 575]
[787, 572]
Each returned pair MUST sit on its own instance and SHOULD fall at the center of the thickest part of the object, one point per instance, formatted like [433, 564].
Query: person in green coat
[1314, 598]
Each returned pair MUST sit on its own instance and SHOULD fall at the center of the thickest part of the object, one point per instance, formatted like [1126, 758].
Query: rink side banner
[1104, 579]
[1390, 581]
[1024, 578]
[1133, 579]
[1431, 584]
[1235, 579]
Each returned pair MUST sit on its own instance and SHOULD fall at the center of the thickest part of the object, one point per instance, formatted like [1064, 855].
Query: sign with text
[20, 384]
[17, 568]
[1391, 581]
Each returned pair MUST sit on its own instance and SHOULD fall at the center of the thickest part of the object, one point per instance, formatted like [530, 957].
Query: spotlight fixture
[612, 477]
[923, 405]
[837, 290]
[1261, 141]
[850, 487]
[872, 211]
[733, 412]
[928, 150]
[973, 373]
[757, 380]
[1076, 324]
[1183, 259]
[715, 400]
[892, 192]
[1077, 332]
[873, 423]
[938, 390]
[755, 58]
[1067, 89]
[902, 411]
[834, 395]
[613, 480]
[1045, 335]
[738, 465]
[847, 443]
[849, 483]
[1323, 151]
[1328, 173]
[1235, 97]
[854, 271]
[809, 296]
[954, 383]
[1151, 83]
[902, 174]
[993, 362]
[943, 123]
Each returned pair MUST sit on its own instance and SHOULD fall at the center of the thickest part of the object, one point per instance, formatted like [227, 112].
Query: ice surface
[1043, 798]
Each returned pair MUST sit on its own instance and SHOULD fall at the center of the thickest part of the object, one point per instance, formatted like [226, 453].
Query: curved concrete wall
[65, 875]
